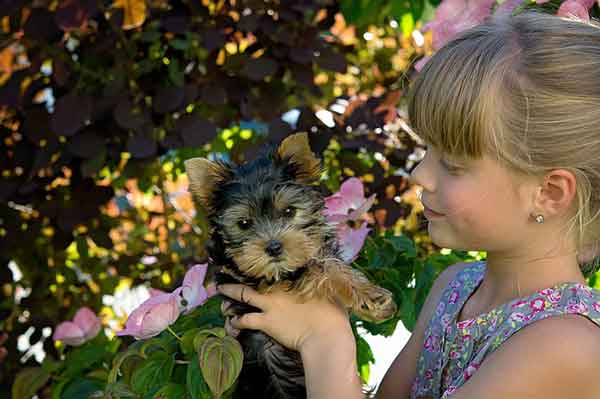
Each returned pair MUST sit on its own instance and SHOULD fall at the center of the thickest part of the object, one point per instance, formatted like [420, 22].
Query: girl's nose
[418, 176]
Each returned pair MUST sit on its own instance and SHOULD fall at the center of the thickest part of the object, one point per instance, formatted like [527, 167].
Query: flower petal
[335, 205]
[211, 290]
[69, 333]
[158, 318]
[137, 324]
[351, 240]
[578, 8]
[353, 191]
[155, 292]
[89, 323]
[362, 209]
[192, 288]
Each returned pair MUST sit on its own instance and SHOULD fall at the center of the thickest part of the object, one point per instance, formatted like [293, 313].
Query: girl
[509, 110]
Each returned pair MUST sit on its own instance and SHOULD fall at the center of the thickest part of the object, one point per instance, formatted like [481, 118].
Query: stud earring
[539, 218]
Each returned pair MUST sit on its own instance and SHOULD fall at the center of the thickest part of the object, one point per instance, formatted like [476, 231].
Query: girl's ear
[295, 150]
[205, 177]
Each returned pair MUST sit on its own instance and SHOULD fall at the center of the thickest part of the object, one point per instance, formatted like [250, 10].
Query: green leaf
[364, 357]
[220, 360]
[196, 386]
[28, 381]
[175, 73]
[203, 335]
[115, 391]
[151, 375]
[386, 328]
[404, 245]
[58, 388]
[118, 361]
[82, 247]
[81, 388]
[407, 23]
[51, 365]
[408, 310]
[187, 341]
[171, 391]
[82, 358]
[91, 166]
[180, 44]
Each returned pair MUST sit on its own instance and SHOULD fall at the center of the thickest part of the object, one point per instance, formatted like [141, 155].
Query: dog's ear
[296, 150]
[204, 177]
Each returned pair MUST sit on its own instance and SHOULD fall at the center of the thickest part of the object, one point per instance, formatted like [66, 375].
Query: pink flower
[345, 209]
[508, 6]
[451, 389]
[349, 203]
[351, 240]
[537, 304]
[85, 326]
[192, 289]
[153, 316]
[468, 373]
[162, 309]
[555, 297]
[518, 316]
[577, 308]
[578, 8]
[454, 16]
[453, 297]
[456, 284]
[465, 323]
[155, 292]
[519, 304]
[440, 308]
[421, 63]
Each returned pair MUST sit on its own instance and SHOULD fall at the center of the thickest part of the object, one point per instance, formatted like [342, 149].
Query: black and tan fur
[268, 230]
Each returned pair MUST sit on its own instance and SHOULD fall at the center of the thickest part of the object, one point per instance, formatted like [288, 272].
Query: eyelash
[450, 168]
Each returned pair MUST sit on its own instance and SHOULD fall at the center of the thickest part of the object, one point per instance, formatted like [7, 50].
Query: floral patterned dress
[453, 351]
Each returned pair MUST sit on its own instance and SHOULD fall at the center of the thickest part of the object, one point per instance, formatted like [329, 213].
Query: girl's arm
[318, 329]
[396, 383]
[330, 367]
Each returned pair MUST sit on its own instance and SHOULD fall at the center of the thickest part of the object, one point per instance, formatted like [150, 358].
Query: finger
[225, 305]
[251, 321]
[245, 294]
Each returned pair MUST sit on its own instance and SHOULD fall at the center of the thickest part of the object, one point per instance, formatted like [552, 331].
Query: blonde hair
[525, 90]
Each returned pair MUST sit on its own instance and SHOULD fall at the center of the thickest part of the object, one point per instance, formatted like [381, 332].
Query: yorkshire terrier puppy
[268, 230]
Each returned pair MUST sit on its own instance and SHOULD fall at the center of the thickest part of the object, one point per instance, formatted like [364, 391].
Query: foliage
[100, 104]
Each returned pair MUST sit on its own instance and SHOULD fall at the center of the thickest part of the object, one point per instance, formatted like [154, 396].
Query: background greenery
[100, 103]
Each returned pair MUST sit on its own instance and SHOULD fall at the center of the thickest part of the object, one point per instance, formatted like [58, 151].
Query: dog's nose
[273, 248]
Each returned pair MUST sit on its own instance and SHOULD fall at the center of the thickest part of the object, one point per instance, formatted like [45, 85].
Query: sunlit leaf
[134, 12]
[221, 361]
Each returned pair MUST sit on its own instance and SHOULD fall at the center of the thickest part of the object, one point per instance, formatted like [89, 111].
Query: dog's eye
[244, 224]
[289, 211]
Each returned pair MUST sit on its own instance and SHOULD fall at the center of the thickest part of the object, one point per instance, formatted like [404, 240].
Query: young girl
[510, 110]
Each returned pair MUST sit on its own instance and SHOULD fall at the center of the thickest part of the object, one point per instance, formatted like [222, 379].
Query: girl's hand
[290, 322]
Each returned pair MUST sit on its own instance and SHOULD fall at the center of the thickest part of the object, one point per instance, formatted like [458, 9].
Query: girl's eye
[244, 224]
[449, 167]
[289, 211]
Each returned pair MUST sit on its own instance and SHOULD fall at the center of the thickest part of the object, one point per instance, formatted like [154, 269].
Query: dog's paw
[377, 304]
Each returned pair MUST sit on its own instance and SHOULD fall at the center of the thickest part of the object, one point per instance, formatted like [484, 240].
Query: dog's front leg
[336, 280]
